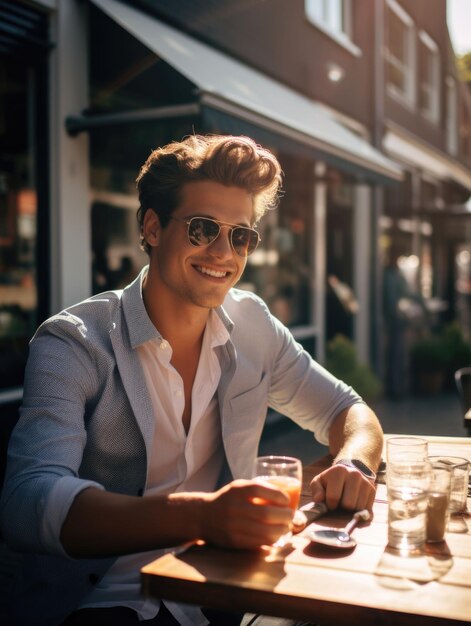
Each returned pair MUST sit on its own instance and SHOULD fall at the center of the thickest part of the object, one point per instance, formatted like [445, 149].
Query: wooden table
[367, 585]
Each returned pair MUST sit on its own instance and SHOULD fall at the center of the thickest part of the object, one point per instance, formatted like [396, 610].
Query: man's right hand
[242, 514]
[245, 515]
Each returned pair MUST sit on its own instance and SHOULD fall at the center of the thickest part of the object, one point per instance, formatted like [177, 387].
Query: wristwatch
[364, 469]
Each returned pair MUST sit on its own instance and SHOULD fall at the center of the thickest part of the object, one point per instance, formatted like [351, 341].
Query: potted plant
[458, 349]
[429, 364]
[342, 361]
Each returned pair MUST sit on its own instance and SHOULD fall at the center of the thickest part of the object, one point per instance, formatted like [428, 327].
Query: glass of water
[405, 447]
[408, 485]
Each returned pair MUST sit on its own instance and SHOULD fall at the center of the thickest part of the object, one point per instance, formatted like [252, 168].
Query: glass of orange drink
[283, 472]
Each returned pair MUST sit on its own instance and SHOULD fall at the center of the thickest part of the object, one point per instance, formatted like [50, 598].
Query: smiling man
[143, 407]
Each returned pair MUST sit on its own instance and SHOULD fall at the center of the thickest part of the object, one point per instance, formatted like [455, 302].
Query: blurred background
[367, 105]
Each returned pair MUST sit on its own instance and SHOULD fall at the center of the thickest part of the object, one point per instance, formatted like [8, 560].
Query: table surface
[367, 584]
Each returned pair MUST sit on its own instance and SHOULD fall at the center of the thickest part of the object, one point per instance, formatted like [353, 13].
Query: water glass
[408, 485]
[283, 472]
[459, 480]
[406, 448]
[438, 512]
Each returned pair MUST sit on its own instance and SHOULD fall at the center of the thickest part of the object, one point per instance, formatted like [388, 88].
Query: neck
[179, 323]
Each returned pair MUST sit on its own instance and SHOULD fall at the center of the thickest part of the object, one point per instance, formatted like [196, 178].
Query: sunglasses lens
[202, 231]
[244, 240]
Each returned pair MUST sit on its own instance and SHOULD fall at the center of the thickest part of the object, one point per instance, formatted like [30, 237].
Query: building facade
[371, 154]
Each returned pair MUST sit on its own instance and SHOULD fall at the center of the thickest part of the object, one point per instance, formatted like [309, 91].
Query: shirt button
[179, 393]
[163, 344]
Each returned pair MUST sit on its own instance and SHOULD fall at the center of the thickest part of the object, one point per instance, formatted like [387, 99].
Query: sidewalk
[414, 415]
[423, 415]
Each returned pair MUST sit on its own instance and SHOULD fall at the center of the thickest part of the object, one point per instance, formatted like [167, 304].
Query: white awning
[245, 93]
[410, 151]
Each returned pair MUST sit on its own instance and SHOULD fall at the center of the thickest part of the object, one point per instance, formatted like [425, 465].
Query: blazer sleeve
[303, 389]
[46, 446]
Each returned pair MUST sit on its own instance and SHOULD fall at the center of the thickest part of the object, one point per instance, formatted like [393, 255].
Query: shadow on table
[265, 566]
[459, 523]
[407, 572]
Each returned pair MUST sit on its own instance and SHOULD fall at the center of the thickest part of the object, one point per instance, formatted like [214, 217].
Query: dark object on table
[463, 384]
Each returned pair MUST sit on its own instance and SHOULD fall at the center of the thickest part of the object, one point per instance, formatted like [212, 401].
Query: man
[138, 402]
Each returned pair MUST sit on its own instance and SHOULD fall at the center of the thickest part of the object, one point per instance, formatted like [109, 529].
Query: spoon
[340, 537]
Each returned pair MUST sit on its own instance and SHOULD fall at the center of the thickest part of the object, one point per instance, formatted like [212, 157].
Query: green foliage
[464, 67]
[458, 349]
[430, 354]
[445, 352]
[342, 362]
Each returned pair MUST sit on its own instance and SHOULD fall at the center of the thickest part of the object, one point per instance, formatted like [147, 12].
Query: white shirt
[179, 461]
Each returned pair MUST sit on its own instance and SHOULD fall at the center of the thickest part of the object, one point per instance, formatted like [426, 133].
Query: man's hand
[345, 487]
[245, 515]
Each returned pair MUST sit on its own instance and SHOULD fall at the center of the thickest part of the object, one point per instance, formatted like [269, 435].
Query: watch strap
[359, 465]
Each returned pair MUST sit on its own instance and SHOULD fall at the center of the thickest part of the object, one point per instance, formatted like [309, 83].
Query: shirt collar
[216, 330]
[140, 327]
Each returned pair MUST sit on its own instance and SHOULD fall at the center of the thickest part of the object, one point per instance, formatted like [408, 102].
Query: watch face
[364, 469]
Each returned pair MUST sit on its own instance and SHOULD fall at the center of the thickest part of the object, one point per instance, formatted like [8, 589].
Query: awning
[409, 150]
[236, 89]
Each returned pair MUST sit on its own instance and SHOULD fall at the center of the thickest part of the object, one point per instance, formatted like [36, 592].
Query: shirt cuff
[58, 503]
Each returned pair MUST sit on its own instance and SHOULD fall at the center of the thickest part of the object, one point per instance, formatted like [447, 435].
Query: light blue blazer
[87, 419]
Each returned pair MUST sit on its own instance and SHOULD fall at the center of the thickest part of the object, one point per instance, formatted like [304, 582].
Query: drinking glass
[405, 448]
[438, 512]
[459, 480]
[408, 485]
[285, 473]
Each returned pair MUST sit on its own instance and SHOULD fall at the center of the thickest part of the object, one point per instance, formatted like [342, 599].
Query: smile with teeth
[210, 272]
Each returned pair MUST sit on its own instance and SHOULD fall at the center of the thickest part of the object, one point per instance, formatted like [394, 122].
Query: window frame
[314, 10]
[432, 113]
[407, 97]
[452, 116]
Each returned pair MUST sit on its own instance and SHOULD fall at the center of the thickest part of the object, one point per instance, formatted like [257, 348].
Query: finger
[267, 514]
[366, 496]
[264, 492]
[362, 500]
[249, 533]
[317, 490]
[371, 499]
[352, 488]
[333, 480]
[333, 490]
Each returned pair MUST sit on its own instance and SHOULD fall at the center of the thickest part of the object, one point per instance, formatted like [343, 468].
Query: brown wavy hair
[225, 159]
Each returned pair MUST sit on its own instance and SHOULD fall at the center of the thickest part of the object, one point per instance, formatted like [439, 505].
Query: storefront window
[18, 218]
[115, 158]
[125, 76]
[279, 270]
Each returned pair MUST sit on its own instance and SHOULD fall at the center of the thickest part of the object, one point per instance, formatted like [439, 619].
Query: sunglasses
[202, 231]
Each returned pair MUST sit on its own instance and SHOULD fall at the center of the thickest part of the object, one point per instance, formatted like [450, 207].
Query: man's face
[201, 276]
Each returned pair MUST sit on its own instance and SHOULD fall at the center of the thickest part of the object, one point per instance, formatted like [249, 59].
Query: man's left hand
[345, 487]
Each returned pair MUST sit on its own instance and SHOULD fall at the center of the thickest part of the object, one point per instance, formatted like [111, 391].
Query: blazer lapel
[131, 327]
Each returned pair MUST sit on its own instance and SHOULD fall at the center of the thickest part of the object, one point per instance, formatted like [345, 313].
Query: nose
[221, 247]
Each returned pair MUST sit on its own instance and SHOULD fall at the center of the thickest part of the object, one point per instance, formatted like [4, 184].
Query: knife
[307, 514]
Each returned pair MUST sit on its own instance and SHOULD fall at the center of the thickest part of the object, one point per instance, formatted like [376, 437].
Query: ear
[151, 228]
